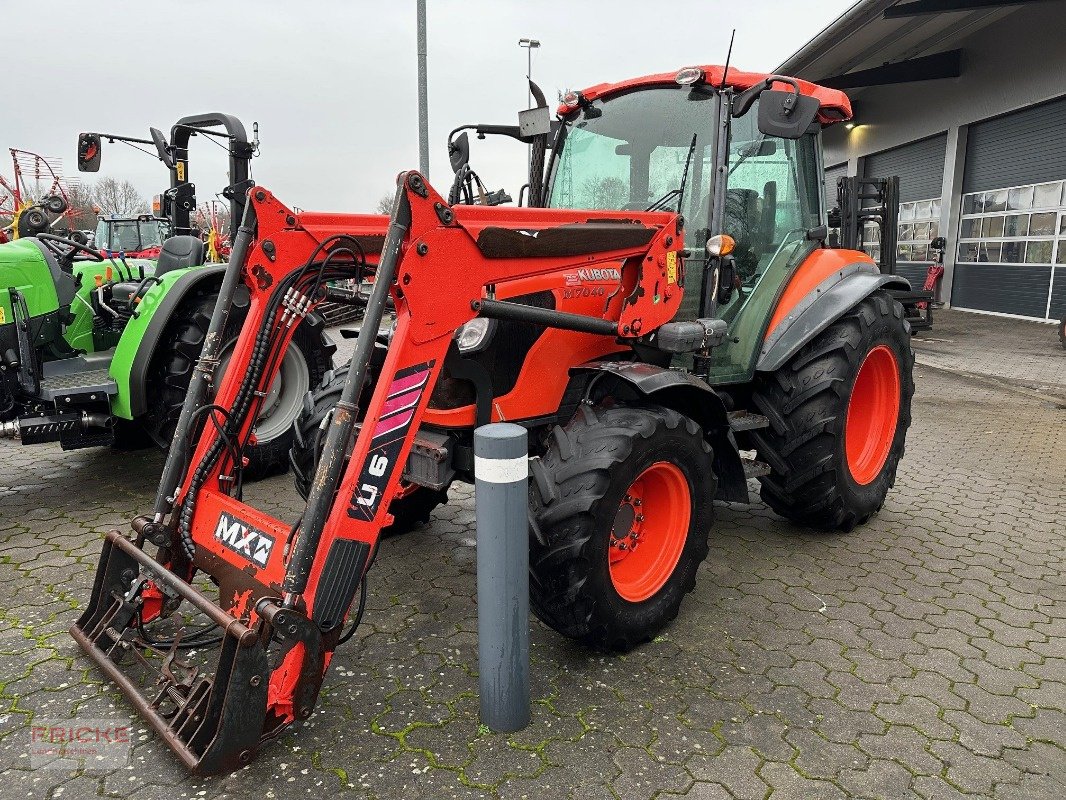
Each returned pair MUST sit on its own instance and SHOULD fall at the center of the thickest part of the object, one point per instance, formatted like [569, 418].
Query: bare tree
[81, 204]
[605, 193]
[119, 198]
[385, 204]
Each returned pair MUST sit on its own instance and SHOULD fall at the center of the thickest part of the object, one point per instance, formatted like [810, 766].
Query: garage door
[832, 174]
[920, 167]
[1012, 232]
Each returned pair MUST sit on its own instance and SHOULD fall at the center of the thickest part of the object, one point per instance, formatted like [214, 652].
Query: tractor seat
[122, 292]
[179, 252]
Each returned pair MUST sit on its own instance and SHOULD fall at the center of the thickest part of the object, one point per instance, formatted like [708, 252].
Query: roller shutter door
[832, 174]
[1024, 147]
[920, 166]
[1007, 156]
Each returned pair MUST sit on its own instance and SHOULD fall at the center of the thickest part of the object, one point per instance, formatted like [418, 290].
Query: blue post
[501, 499]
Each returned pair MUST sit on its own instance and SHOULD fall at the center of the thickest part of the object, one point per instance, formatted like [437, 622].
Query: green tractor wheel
[308, 358]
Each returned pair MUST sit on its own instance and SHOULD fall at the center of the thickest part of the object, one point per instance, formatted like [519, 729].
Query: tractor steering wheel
[64, 249]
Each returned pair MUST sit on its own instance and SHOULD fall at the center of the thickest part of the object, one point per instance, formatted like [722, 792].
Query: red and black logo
[405, 392]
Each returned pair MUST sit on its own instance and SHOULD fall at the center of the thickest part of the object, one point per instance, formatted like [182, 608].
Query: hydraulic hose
[178, 456]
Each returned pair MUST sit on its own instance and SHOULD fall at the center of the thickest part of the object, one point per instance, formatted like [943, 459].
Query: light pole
[530, 45]
[423, 100]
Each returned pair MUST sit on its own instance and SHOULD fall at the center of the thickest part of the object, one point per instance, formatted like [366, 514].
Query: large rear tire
[409, 510]
[624, 499]
[172, 364]
[839, 411]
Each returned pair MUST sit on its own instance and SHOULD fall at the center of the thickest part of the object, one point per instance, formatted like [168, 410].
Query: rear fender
[687, 395]
[814, 306]
[141, 336]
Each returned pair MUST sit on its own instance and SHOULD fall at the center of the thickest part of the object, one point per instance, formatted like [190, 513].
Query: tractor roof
[835, 104]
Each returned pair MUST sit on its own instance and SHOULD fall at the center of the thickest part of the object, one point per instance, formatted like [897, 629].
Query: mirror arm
[114, 137]
[743, 102]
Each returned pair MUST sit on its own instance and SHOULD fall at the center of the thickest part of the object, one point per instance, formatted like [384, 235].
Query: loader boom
[284, 589]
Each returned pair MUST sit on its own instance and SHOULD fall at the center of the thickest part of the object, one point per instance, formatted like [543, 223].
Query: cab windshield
[630, 151]
[130, 235]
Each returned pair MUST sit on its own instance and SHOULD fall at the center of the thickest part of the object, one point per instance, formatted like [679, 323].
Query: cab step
[82, 379]
[746, 421]
[754, 468]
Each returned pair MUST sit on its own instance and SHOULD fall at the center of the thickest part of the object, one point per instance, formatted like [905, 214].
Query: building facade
[964, 100]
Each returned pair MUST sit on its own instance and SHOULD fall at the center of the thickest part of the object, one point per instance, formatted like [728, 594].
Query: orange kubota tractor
[693, 314]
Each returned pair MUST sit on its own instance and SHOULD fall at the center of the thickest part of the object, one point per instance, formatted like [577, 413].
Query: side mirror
[162, 147]
[939, 243]
[786, 115]
[459, 152]
[90, 150]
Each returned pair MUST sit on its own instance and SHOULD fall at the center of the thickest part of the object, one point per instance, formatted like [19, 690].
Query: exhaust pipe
[49, 427]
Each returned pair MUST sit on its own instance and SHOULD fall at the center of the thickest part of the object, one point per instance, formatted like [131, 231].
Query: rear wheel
[409, 510]
[839, 413]
[624, 498]
[307, 359]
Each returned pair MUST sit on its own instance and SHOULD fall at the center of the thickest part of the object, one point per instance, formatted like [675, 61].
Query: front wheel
[307, 359]
[624, 499]
[409, 509]
[839, 411]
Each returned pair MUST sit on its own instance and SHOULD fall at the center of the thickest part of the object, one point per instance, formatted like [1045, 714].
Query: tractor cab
[686, 143]
[739, 159]
[136, 237]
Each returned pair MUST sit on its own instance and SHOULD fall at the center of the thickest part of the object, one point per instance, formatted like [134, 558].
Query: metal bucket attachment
[213, 720]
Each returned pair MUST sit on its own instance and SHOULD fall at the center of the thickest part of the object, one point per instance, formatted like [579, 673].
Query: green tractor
[100, 351]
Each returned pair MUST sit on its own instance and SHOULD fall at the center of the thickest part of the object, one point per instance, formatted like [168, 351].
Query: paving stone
[921, 655]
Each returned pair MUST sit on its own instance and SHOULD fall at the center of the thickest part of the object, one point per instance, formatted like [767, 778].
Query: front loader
[620, 344]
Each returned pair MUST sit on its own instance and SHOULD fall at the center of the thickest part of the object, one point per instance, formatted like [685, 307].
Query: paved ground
[1015, 352]
[920, 656]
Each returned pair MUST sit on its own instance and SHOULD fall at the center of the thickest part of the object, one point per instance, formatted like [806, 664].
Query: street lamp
[530, 45]
[423, 92]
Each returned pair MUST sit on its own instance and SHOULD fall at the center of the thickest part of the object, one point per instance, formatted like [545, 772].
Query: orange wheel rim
[649, 532]
[873, 413]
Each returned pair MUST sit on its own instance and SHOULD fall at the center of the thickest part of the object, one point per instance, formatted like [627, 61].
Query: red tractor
[669, 308]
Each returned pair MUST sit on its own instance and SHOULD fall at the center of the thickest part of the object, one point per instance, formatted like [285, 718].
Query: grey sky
[332, 84]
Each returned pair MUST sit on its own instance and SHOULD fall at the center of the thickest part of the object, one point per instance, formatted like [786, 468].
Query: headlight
[475, 334]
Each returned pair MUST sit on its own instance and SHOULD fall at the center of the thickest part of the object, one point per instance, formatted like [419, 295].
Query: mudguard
[819, 308]
[129, 367]
[688, 395]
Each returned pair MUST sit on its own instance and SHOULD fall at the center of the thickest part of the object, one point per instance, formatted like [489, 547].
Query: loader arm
[285, 588]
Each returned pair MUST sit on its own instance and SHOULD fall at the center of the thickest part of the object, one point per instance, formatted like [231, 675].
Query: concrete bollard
[501, 499]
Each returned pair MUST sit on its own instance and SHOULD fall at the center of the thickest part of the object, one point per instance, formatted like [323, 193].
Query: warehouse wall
[1014, 63]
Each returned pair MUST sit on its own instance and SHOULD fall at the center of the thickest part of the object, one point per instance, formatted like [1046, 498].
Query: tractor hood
[23, 266]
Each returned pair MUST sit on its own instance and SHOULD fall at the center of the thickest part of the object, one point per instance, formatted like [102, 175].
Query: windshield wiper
[679, 192]
[751, 150]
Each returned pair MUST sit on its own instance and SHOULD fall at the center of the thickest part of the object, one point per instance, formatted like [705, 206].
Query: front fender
[141, 336]
[819, 308]
[688, 395]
